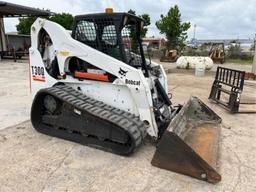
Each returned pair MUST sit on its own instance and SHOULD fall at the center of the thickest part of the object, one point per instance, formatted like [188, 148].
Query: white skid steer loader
[95, 87]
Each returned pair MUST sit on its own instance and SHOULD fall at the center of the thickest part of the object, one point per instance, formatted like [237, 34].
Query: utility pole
[194, 37]
[254, 58]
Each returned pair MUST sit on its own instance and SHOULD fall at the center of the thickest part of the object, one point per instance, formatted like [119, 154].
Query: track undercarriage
[63, 112]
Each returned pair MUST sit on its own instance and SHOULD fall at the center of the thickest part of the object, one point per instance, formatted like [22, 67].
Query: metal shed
[8, 10]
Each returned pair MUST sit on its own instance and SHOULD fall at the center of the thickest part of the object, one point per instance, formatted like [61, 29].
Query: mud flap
[190, 143]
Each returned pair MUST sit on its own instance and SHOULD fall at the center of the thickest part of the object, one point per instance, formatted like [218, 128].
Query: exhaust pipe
[190, 144]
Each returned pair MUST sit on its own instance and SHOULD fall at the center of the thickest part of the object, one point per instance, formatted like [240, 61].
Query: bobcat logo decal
[122, 72]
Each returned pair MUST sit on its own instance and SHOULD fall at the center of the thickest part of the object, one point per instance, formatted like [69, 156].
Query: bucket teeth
[190, 143]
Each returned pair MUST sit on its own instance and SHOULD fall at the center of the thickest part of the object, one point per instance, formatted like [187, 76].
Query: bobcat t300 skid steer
[95, 87]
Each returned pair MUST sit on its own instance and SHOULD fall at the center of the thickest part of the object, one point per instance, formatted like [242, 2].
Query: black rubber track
[89, 108]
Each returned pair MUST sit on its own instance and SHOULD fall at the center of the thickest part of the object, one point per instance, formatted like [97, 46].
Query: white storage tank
[190, 62]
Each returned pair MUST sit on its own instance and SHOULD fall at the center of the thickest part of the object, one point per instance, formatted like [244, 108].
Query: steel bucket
[190, 144]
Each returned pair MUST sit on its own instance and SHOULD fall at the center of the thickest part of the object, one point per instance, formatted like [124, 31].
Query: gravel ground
[30, 161]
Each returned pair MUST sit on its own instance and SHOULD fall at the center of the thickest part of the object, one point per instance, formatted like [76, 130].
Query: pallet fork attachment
[231, 83]
[190, 143]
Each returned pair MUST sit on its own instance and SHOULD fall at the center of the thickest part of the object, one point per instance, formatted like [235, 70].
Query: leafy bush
[234, 51]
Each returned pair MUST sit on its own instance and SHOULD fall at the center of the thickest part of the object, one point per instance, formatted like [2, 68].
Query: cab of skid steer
[115, 34]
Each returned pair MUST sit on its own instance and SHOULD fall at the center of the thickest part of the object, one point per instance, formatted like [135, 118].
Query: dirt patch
[3, 138]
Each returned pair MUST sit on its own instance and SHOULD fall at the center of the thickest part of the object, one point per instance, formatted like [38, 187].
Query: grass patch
[239, 61]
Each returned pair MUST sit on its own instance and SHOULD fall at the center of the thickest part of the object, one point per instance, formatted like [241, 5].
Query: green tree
[24, 25]
[143, 32]
[174, 30]
[64, 19]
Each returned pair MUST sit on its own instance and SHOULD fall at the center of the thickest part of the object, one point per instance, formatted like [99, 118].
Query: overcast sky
[214, 19]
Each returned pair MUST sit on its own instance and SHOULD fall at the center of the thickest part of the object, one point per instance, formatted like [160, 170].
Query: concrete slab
[30, 161]
[15, 99]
